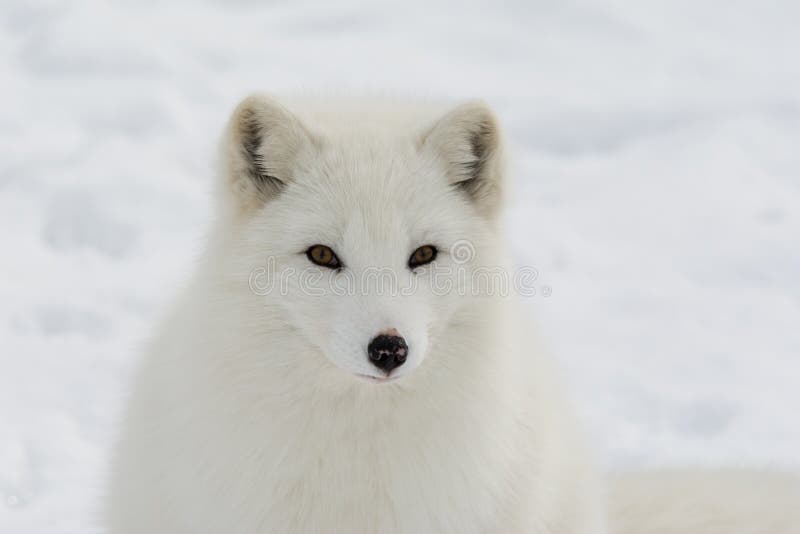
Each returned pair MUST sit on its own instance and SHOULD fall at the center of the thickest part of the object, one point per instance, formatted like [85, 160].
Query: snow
[655, 164]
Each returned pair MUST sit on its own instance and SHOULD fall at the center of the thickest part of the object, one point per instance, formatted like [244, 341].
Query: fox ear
[261, 145]
[468, 140]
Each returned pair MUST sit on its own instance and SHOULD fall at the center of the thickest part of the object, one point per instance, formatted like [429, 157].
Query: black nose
[387, 352]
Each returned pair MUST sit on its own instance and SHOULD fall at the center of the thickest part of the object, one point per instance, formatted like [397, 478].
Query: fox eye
[323, 256]
[422, 256]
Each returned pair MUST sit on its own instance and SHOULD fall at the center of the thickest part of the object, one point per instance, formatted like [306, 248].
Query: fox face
[360, 240]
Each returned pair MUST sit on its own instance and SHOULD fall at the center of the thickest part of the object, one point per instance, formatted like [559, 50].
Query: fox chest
[366, 488]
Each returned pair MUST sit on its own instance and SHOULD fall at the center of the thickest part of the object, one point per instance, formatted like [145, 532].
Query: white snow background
[656, 157]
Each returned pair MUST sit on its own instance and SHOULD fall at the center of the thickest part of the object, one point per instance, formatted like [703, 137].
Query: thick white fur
[247, 415]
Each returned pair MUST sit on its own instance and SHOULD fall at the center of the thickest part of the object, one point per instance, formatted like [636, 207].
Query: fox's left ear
[467, 139]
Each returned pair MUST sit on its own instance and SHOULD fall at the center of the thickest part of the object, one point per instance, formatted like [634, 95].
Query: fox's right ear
[262, 142]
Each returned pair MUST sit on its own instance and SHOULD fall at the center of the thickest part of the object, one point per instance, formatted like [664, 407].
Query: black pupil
[423, 255]
[322, 255]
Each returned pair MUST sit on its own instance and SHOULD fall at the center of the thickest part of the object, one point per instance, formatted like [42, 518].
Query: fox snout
[388, 350]
[378, 340]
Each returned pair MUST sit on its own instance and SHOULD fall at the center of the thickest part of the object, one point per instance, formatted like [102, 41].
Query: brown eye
[323, 256]
[423, 255]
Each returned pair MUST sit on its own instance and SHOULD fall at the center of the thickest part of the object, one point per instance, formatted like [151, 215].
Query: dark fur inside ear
[467, 139]
[481, 143]
[252, 139]
[262, 144]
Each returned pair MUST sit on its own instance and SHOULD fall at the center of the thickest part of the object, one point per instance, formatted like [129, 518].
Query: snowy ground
[657, 169]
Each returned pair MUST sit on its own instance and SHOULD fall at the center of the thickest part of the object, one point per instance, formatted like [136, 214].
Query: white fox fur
[258, 411]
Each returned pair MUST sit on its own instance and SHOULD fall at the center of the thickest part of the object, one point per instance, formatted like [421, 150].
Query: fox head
[357, 234]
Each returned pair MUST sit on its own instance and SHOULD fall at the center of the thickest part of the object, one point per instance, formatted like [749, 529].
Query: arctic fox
[334, 367]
